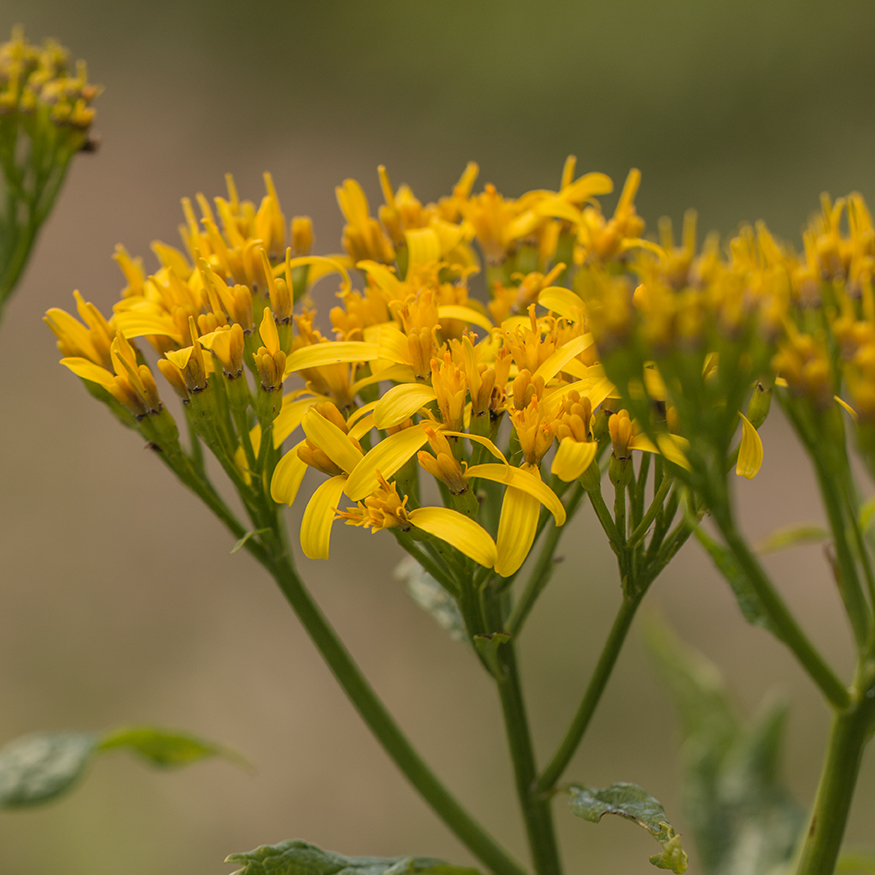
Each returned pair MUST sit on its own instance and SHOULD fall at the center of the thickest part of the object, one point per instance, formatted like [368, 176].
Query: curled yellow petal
[557, 361]
[671, 446]
[333, 352]
[331, 440]
[572, 458]
[516, 529]
[477, 439]
[387, 457]
[562, 301]
[401, 402]
[524, 481]
[750, 453]
[847, 407]
[318, 517]
[458, 530]
[465, 314]
[287, 476]
[291, 414]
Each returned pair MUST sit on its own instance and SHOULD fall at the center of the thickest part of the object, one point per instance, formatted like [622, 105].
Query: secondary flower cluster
[456, 423]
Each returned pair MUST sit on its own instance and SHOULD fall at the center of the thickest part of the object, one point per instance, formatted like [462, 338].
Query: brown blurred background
[119, 602]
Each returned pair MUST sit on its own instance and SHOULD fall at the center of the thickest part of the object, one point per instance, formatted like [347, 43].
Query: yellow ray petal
[401, 402]
[397, 373]
[331, 440]
[134, 324]
[87, 370]
[477, 439]
[524, 481]
[386, 457]
[334, 352]
[750, 453]
[318, 517]
[291, 414]
[465, 314]
[457, 530]
[589, 185]
[362, 427]
[561, 301]
[287, 476]
[672, 446]
[572, 458]
[423, 245]
[557, 361]
[516, 530]
[850, 410]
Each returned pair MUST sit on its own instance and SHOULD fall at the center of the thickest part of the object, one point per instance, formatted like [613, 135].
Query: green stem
[382, 725]
[535, 808]
[822, 842]
[640, 531]
[591, 697]
[785, 624]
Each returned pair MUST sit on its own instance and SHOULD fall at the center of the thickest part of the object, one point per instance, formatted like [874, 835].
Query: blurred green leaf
[633, 803]
[165, 747]
[432, 597]
[36, 768]
[743, 820]
[856, 863]
[295, 857]
[792, 536]
[747, 598]
[39, 767]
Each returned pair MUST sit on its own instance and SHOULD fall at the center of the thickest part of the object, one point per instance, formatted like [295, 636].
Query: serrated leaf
[432, 597]
[792, 536]
[296, 857]
[166, 748]
[751, 607]
[636, 804]
[742, 819]
[39, 767]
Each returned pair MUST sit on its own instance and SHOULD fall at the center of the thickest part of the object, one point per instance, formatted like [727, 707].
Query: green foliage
[36, 768]
[792, 536]
[751, 607]
[295, 857]
[635, 804]
[743, 820]
[39, 767]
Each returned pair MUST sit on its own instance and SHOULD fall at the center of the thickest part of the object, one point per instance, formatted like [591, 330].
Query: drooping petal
[287, 476]
[672, 446]
[318, 517]
[458, 530]
[478, 439]
[516, 530]
[572, 458]
[331, 440]
[750, 453]
[401, 402]
[847, 407]
[334, 352]
[387, 457]
[522, 480]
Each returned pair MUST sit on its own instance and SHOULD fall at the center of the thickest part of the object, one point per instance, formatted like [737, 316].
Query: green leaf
[635, 804]
[167, 748]
[432, 597]
[39, 767]
[242, 542]
[296, 857]
[743, 820]
[791, 536]
[746, 596]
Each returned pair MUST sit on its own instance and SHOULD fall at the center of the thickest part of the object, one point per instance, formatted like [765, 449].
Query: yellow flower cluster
[423, 382]
[38, 81]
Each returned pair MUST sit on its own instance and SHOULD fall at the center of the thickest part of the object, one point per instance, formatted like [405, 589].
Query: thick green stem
[381, 724]
[591, 697]
[536, 808]
[821, 845]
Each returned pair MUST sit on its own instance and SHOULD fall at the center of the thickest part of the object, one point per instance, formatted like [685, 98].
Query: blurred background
[119, 602]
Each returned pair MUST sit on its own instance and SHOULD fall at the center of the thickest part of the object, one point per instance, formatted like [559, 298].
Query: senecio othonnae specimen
[595, 342]
[45, 119]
